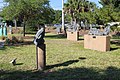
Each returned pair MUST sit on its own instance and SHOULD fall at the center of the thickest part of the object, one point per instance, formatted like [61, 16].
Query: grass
[66, 60]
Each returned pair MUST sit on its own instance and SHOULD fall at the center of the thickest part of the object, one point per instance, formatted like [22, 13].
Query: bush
[7, 41]
[17, 31]
[117, 36]
[20, 39]
[14, 40]
[118, 29]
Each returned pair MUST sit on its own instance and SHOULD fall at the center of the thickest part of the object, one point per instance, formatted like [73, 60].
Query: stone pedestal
[41, 57]
[74, 36]
[100, 43]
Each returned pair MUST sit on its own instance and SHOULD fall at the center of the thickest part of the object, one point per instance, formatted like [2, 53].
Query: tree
[83, 10]
[111, 10]
[57, 17]
[115, 3]
[37, 11]
[78, 9]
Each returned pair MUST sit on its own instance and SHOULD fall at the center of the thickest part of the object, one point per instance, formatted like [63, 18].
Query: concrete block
[100, 43]
[73, 36]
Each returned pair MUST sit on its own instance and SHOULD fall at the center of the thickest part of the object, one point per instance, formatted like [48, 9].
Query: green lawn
[66, 60]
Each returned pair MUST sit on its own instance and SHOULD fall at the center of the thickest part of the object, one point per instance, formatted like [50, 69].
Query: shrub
[20, 39]
[17, 31]
[7, 41]
[14, 40]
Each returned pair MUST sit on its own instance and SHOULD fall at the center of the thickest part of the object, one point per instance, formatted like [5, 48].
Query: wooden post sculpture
[40, 49]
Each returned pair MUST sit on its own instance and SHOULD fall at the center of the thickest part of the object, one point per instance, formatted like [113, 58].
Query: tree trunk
[71, 20]
[24, 28]
[15, 21]
[38, 26]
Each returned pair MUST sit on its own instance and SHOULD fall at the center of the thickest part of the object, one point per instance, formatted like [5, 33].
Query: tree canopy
[77, 9]
[28, 10]
[111, 10]
[82, 10]
[57, 17]
[32, 12]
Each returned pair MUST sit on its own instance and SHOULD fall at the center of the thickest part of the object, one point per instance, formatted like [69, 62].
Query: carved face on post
[39, 37]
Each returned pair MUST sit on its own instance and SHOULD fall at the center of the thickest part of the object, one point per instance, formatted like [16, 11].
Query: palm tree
[75, 7]
[71, 8]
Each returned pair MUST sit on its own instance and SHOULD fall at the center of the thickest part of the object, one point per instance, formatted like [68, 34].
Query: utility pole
[63, 27]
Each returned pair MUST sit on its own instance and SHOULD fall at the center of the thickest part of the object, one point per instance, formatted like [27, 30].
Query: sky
[55, 4]
[1, 4]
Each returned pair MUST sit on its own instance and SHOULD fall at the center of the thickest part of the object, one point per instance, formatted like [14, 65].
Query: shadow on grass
[80, 39]
[15, 46]
[31, 33]
[116, 42]
[19, 64]
[20, 44]
[58, 36]
[112, 49]
[28, 43]
[82, 58]
[3, 48]
[111, 73]
[62, 64]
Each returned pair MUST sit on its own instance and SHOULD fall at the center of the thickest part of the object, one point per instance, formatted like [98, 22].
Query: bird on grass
[13, 61]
